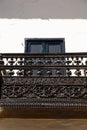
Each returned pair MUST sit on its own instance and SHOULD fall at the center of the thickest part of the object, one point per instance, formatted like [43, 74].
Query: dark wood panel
[43, 113]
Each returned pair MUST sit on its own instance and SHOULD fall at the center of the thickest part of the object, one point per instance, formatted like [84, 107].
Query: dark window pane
[36, 48]
[54, 48]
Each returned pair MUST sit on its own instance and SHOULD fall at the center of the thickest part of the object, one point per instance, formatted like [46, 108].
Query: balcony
[44, 81]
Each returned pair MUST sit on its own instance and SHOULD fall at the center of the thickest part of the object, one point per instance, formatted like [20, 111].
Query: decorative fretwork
[36, 78]
[44, 88]
[67, 64]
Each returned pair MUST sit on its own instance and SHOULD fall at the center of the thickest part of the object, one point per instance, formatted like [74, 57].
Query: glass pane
[36, 48]
[54, 48]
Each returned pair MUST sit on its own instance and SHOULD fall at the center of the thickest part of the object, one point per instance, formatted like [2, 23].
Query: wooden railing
[44, 80]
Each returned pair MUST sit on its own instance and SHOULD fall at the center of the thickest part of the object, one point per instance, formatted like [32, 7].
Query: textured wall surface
[43, 124]
[43, 9]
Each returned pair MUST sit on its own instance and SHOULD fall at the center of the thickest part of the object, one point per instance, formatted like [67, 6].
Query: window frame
[44, 42]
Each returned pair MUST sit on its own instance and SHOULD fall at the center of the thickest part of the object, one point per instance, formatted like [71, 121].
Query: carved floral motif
[44, 88]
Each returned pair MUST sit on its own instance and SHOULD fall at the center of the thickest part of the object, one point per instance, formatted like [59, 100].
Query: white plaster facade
[13, 32]
[62, 18]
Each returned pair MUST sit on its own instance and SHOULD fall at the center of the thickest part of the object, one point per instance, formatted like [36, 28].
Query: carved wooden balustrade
[44, 80]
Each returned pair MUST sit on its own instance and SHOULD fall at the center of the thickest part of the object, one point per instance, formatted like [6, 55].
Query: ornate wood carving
[46, 80]
[15, 87]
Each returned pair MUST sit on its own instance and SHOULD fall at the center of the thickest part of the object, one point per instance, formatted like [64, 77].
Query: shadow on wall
[45, 9]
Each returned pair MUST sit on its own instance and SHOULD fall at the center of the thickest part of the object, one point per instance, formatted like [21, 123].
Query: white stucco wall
[13, 32]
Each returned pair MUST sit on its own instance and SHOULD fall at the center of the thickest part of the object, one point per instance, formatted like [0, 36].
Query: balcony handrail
[63, 63]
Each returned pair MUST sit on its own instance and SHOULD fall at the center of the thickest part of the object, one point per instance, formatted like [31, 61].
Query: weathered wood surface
[43, 113]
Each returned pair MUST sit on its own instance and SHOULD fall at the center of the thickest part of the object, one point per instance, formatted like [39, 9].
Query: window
[50, 45]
